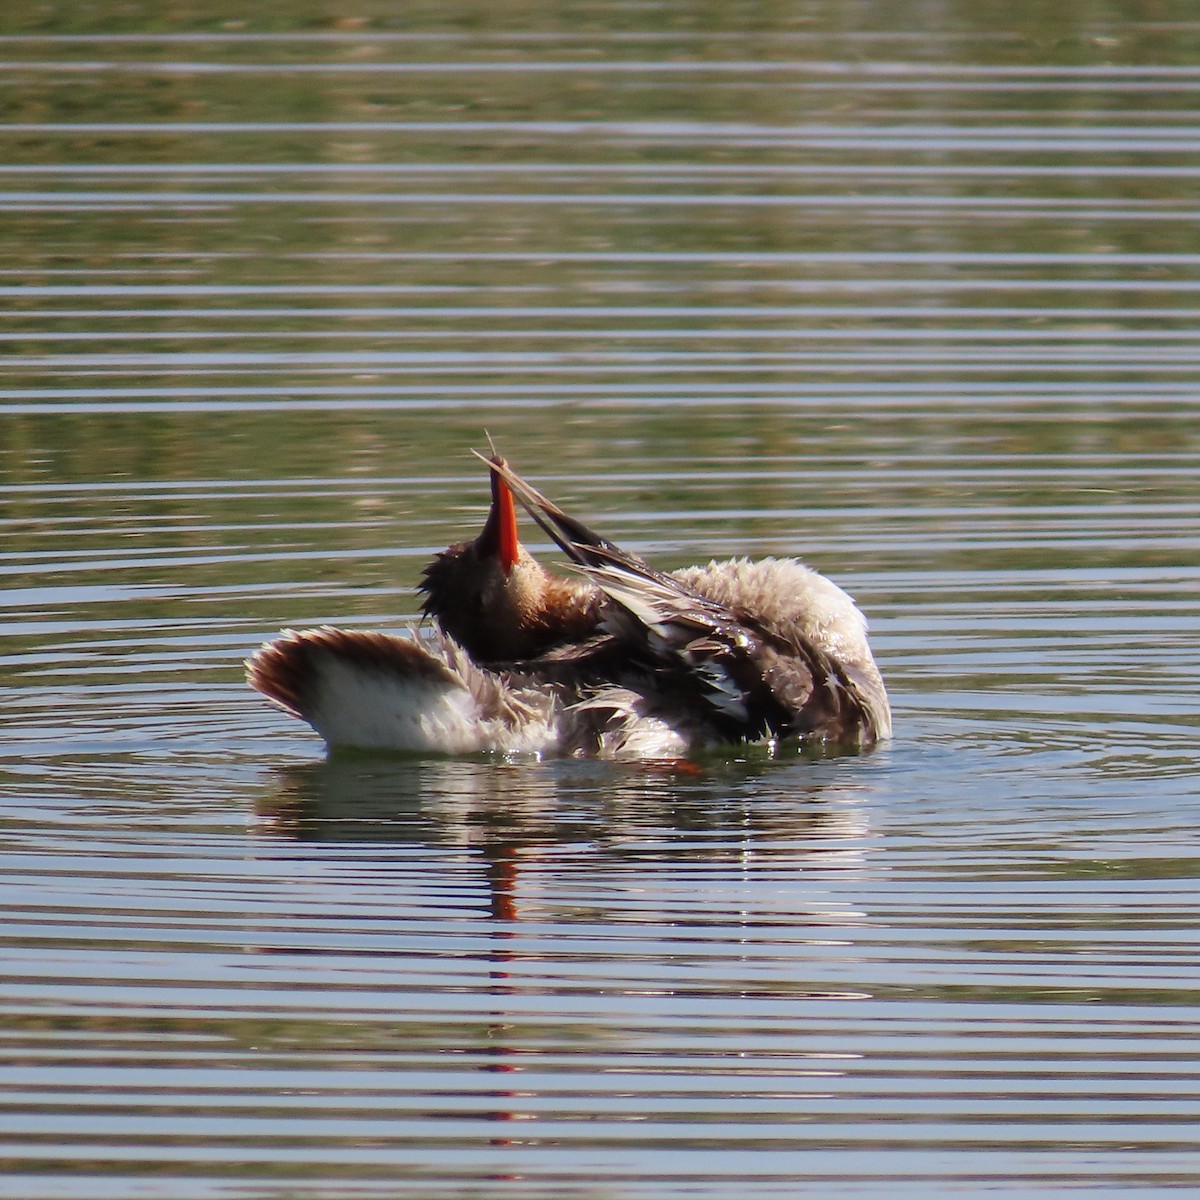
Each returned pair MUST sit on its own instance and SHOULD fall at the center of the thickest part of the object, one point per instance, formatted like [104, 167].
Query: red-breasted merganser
[620, 660]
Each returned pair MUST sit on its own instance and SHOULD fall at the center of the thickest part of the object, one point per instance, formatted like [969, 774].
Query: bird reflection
[509, 811]
[607, 832]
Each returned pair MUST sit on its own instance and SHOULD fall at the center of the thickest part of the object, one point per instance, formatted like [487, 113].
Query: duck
[615, 659]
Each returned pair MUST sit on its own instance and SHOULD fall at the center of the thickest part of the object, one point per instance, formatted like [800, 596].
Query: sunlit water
[914, 298]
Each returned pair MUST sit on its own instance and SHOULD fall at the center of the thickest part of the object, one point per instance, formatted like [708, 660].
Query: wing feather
[749, 677]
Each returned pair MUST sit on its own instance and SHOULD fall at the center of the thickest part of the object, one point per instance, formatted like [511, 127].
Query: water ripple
[915, 305]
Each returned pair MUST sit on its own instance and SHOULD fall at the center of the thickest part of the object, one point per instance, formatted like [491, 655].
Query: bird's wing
[701, 651]
[749, 677]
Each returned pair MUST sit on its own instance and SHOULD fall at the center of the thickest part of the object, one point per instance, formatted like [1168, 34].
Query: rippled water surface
[907, 290]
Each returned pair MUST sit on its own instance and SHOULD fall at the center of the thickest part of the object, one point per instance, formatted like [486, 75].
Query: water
[909, 292]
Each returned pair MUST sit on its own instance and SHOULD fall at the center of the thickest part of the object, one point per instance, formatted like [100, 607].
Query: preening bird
[616, 659]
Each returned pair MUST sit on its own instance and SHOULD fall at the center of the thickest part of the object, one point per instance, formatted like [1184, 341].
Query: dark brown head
[496, 601]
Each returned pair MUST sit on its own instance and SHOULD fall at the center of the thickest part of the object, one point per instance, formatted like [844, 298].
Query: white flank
[356, 706]
[416, 697]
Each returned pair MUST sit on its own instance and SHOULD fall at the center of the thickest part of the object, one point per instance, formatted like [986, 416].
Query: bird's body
[620, 660]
